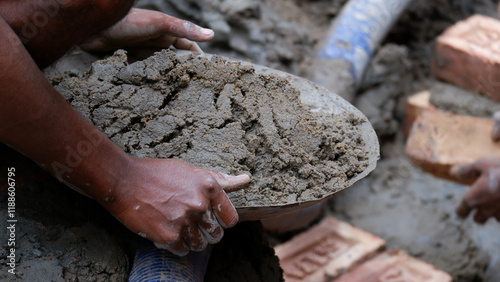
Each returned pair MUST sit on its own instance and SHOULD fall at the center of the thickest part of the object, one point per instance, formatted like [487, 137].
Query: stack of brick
[333, 250]
[466, 55]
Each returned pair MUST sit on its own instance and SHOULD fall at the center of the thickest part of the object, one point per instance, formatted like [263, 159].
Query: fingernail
[244, 176]
[207, 32]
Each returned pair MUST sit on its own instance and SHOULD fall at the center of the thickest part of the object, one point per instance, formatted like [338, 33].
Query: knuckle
[170, 237]
[210, 183]
[198, 206]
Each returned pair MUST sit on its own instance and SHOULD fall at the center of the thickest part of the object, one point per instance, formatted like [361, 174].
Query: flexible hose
[351, 41]
[153, 264]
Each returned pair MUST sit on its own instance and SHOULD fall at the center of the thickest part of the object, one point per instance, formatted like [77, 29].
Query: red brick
[395, 265]
[325, 251]
[439, 140]
[415, 105]
[468, 55]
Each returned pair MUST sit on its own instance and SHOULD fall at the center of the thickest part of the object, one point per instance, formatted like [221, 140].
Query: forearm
[37, 121]
[48, 29]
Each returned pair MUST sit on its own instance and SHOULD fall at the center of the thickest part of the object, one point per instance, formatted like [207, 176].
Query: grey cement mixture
[220, 115]
[60, 235]
[452, 98]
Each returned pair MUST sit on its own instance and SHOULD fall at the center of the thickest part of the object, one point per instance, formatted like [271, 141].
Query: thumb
[232, 183]
[465, 171]
[186, 29]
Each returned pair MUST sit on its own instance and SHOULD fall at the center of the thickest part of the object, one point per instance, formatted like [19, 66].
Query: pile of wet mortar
[220, 115]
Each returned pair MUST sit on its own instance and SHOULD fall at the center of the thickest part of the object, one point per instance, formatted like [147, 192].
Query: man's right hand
[149, 28]
[180, 207]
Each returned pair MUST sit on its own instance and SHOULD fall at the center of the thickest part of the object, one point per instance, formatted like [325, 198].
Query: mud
[451, 98]
[220, 115]
[60, 235]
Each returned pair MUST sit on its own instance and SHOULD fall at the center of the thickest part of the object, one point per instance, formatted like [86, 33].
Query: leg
[49, 28]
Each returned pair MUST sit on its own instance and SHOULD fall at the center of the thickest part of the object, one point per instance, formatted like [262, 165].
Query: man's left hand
[147, 28]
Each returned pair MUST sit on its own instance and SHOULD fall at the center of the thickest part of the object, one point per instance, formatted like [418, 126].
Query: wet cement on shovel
[220, 115]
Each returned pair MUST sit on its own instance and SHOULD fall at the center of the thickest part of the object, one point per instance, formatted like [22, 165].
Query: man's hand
[180, 207]
[149, 28]
[484, 195]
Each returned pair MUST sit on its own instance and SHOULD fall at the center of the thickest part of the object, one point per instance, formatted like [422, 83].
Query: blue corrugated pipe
[153, 264]
[351, 41]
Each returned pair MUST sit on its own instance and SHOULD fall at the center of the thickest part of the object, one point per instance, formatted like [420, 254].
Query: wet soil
[60, 235]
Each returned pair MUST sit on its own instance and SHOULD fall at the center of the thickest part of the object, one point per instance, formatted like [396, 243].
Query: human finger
[483, 191]
[465, 171]
[195, 238]
[495, 133]
[166, 41]
[231, 183]
[185, 29]
[211, 228]
[490, 210]
[185, 44]
[479, 217]
[224, 210]
[463, 209]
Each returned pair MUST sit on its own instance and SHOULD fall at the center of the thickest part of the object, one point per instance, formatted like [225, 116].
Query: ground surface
[408, 208]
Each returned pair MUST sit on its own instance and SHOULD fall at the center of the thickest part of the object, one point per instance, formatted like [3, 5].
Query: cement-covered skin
[220, 115]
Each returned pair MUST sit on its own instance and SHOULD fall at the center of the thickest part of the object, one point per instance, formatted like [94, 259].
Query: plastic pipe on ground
[153, 264]
[350, 42]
